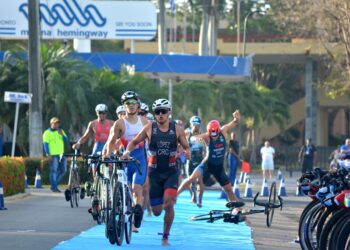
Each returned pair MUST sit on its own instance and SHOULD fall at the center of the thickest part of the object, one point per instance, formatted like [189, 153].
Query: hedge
[12, 175]
[42, 164]
[13, 170]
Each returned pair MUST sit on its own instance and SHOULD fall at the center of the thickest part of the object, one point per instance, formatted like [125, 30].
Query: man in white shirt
[267, 154]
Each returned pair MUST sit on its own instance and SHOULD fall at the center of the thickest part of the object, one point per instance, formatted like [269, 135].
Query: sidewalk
[284, 229]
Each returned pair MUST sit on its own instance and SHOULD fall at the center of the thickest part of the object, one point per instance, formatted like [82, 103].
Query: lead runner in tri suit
[126, 129]
[198, 151]
[163, 136]
[214, 160]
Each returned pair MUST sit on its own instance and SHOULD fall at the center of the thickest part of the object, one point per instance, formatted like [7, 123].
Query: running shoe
[138, 215]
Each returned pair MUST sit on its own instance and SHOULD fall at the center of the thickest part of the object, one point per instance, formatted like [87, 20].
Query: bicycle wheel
[343, 241]
[323, 221]
[98, 194]
[107, 205]
[303, 233]
[272, 201]
[211, 216]
[111, 215]
[303, 214]
[72, 196]
[326, 230]
[117, 213]
[76, 187]
[129, 218]
[309, 229]
[336, 231]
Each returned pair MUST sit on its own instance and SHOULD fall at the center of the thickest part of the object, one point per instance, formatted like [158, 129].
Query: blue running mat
[184, 234]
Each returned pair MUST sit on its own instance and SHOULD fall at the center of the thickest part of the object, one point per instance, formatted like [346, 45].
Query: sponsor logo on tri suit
[154, 131]
[171, 132]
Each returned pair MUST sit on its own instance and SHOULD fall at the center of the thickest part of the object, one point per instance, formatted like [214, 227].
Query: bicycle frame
[74, 189]
[123, 180]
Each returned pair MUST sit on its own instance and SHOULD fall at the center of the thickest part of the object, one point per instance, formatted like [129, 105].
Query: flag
[245, 167]
[172, 6]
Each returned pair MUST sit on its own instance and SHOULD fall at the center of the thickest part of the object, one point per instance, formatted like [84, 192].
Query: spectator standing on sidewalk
[54, 138]
[307, 156]
[233, 157]
[267, 154]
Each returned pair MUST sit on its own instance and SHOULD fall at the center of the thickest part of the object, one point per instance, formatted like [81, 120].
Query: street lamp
[259, 9]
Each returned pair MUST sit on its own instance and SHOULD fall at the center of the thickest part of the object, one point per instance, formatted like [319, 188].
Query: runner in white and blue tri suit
[126, 129]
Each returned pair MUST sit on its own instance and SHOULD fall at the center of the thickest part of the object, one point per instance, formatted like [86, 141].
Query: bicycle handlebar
[267, 204]
[114, 160]
[75, 154]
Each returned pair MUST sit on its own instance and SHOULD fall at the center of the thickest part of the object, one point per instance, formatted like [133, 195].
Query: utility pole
[34, 68]
[162, 40]
[238, 27]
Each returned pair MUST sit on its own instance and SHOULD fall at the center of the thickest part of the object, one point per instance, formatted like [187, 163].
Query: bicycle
[235, 215]
[123, 210]
[101, 188]
[74, 191]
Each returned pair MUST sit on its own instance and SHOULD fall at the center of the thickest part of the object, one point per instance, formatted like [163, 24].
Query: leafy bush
[42, 164]
[12, 175]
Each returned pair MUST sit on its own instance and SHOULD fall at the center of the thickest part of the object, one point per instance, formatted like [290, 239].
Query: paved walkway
[40, 213]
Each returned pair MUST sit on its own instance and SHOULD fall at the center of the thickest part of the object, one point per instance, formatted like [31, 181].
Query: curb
[17, 196]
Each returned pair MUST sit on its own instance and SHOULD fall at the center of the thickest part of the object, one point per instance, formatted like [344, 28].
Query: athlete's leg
[224, 181]
[145, 193]
[186, 183]
[200, 187]
[169, 201]
[230, 194]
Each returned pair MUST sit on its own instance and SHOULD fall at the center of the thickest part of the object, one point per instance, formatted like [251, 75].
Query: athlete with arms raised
[214, 160]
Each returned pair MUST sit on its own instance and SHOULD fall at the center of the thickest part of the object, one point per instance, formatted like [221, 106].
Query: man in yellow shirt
[53, 139]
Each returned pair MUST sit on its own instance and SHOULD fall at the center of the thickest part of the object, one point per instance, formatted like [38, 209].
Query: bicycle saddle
[234, 204]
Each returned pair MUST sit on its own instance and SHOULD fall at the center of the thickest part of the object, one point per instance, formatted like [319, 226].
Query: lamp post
[262, 10]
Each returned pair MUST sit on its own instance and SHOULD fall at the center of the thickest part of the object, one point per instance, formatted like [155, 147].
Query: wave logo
[67, 13]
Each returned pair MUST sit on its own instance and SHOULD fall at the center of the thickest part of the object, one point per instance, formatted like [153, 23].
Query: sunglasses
[131, 102]
[121, 113]
[161, 111]
[102, 113]
[142, 113]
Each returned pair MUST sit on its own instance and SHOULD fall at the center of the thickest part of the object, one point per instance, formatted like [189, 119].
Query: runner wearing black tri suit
[163, 173]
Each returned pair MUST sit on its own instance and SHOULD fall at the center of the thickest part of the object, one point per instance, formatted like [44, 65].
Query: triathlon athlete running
[214, 161]
[198, 151]
[126, 129]
[163, 136]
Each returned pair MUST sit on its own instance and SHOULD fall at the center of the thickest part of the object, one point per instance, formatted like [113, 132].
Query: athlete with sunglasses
[163, 136]
[214, 160]
[99, 127]
[126, 129]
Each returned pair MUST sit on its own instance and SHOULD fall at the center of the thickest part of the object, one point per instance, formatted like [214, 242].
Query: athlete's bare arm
[86, 136]
[236, 117]
[183, 141]
[117, 130]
